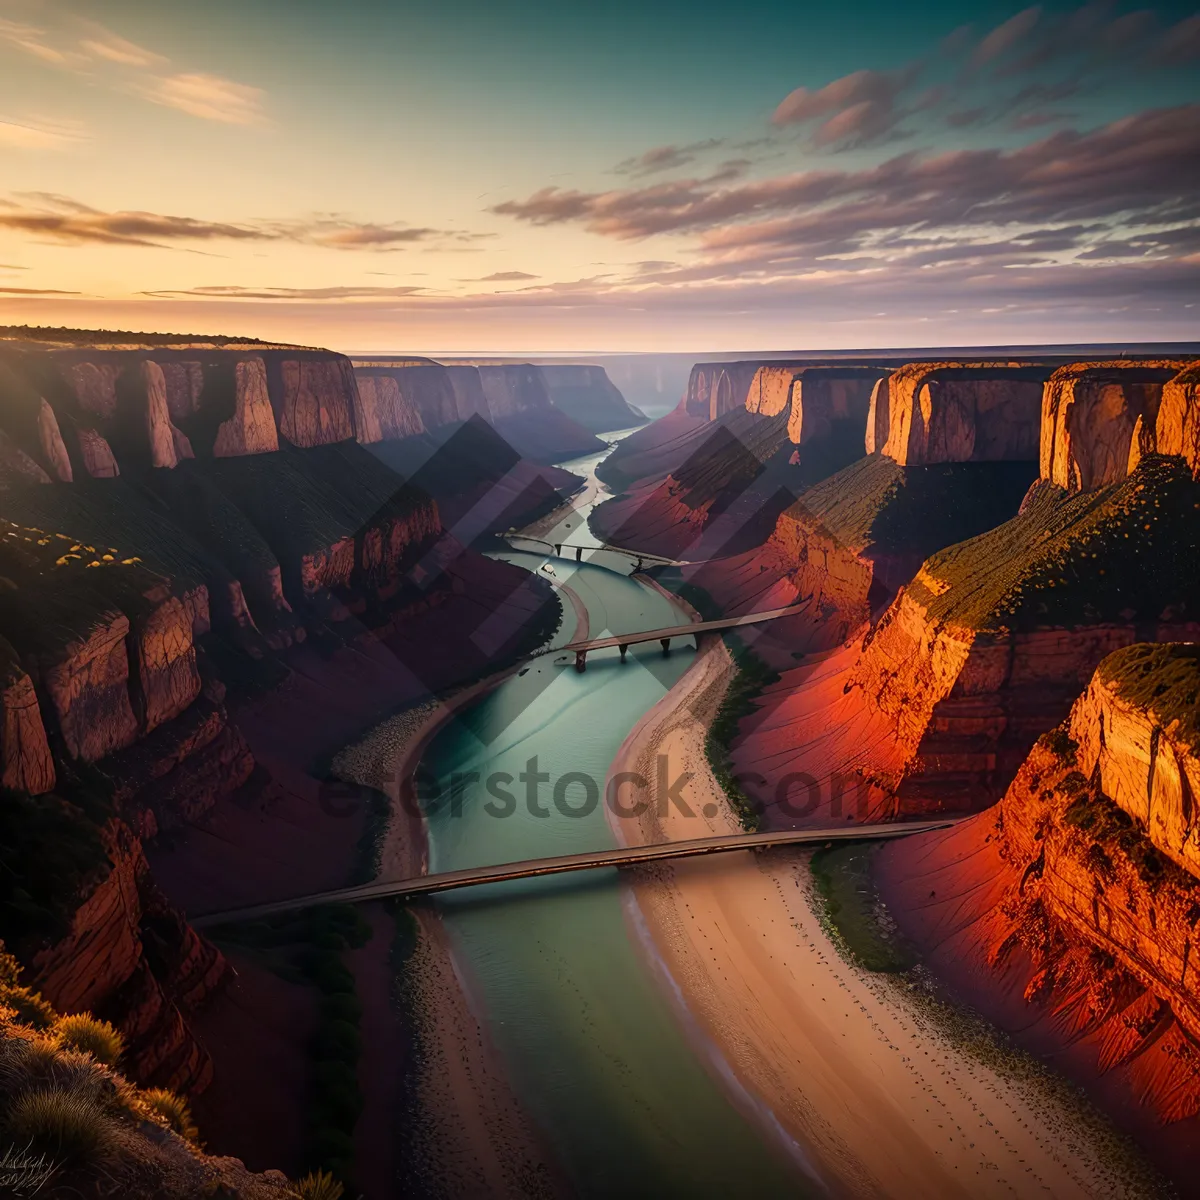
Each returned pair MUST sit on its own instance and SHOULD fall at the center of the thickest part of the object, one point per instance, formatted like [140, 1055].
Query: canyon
[199, 538]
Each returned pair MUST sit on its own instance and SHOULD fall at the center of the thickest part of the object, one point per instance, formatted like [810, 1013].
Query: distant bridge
[622, 641]
[628, 856]
[640, 556]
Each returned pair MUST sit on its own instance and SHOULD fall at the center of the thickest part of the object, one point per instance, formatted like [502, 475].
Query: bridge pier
[666, 645]
[581, 661]
[639, 565]
[622, 650]
[579, 554]
[558, 549]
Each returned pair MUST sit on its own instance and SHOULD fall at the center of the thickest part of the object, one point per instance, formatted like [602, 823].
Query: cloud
[951, 217]
[1181, 43]
[209, 97]
[127, 66]
[857, 108]
[35, 134]
[503, 277]
[665, 158]
[237, 292]
[1004, 37]
[17, 291]
[109, 46]
[62, 219]
[33, 41]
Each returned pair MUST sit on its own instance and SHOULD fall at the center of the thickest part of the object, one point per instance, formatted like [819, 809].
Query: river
[590, 1043]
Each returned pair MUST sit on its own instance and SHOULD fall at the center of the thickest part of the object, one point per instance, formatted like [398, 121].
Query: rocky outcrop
[1136, 730]
[715, 389]
[992, 641]
[1089, 415]
[251, 427]
[318, 400]
[1177, 429]
[384, 413]
[822, 399]
[957, 412]
[589, 397]
[25, 761]
[470, 399]
[130, 957]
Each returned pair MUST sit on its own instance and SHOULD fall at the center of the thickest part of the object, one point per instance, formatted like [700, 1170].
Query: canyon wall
[1068, 910]
[589, 397]
[514, 398]
[1090, 414]
[956, 412]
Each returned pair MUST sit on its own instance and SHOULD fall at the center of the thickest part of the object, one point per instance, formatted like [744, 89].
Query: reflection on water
[590, 1044]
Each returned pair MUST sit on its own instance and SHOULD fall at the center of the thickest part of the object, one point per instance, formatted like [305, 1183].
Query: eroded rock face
[97, 456]
[589, 397]
[159, 430]
[87, 683]
[948, 412]
[1135, 729]
[384, 412]
[163, 655]
[25, 761]
[715, 389]
[1177, 429]
[513, 389]
[469, 397]
[251, 429]
[1089, 414]
[103, 966]
[821, 399]
[318, 402]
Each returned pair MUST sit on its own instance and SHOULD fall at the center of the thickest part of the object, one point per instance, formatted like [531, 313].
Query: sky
[527, 176]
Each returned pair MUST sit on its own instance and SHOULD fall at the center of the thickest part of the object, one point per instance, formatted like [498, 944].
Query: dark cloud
[858, 108]
[1181, 43]
[1004, 37]
[665, 158]
[1148, 165]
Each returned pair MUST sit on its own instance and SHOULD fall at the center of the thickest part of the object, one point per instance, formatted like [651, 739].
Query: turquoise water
[592, 1047]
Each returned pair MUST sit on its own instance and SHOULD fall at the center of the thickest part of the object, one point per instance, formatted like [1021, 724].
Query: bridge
[640, 556]
[622, 641]
[629, 856]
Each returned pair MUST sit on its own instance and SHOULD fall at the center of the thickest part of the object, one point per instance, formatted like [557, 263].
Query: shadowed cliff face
[514, 399]
[589, 397]
[177, 515]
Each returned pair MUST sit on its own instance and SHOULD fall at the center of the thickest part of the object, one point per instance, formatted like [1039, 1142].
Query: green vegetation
[752, 676]
[1163, 678]
[1113, 831]
[1060, 742]
[1128, 552]
[842, 873]
[83, 1032]
[308, 948]
[916, 510]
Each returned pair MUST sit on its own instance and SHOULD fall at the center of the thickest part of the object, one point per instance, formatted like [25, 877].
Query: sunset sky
[534, 177]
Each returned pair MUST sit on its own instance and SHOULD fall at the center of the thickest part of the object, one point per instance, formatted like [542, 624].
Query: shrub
[319, 1185]
[28, 1006]
[67, 1126]
[337, 1039]
[82, 1031]
[174, 1110]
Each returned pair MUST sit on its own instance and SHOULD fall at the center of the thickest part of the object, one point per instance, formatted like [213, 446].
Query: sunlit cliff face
[534, 179]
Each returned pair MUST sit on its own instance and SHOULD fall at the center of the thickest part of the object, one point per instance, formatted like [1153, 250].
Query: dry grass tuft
[82, 1031]
[68, 1126]
[174, 1110]
[319, 1185]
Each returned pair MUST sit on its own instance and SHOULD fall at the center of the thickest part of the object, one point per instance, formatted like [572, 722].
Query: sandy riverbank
[842, 1068]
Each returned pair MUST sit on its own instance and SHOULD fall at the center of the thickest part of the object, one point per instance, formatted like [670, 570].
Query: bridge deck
[530, 868]
[675, 631]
